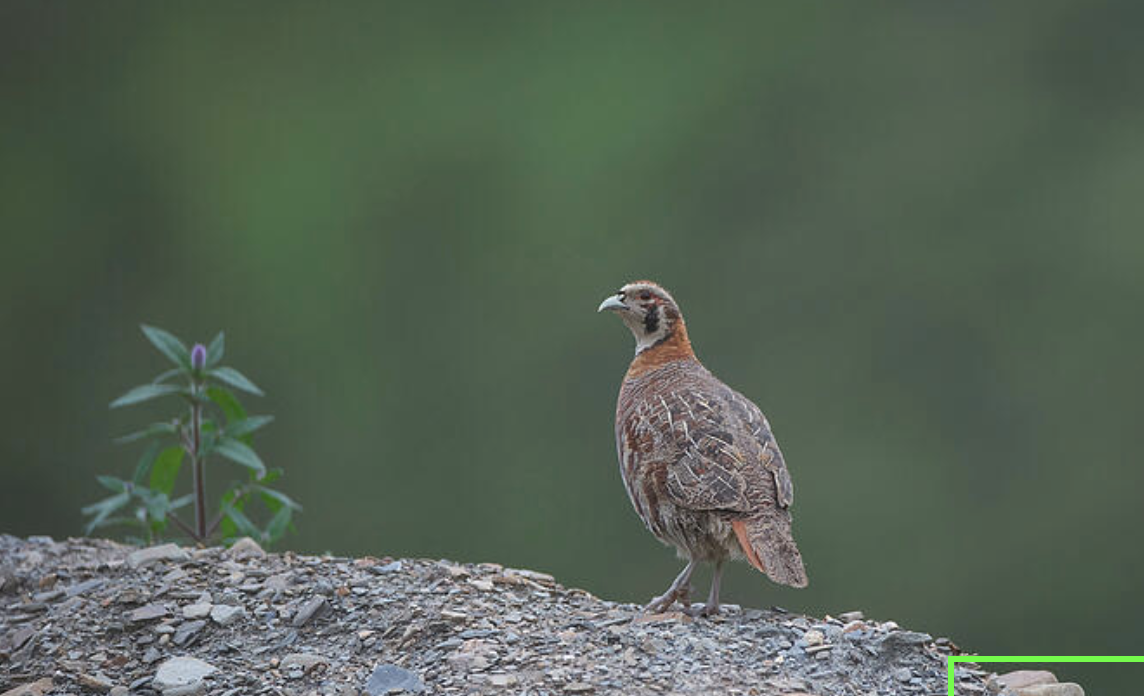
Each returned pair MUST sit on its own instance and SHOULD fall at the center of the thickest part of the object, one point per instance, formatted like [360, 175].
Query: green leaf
[181, 502]
[153, 430]
[240, 453]
[164, 376]
[242, 523]
[146, 392]
[278, 496]
[145, 462]
[235, 379]
[228, 402]
[168, 345]
[116, 521]
[246, 425]
[207, 446]
[112, 484]
[165, 471]
[157, 506]
[215, 350]
[278, 525]
[103, 509]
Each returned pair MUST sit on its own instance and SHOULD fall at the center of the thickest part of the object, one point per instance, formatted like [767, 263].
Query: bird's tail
[769, 546]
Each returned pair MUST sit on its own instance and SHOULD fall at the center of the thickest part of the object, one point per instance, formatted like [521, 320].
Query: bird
[699, 461]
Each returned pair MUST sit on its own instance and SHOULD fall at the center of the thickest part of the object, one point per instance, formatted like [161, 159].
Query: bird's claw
[667, 599]
[702, 610]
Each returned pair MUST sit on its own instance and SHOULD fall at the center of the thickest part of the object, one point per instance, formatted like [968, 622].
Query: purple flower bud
[198, 357]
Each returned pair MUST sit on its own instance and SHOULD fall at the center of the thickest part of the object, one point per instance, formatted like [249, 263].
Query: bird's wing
[771, 457]
[728, 458]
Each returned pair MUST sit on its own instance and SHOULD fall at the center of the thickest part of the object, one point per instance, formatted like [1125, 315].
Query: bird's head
[650, 313]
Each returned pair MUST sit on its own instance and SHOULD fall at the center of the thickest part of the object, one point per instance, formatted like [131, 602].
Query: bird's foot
[664, 602]
[702, 610]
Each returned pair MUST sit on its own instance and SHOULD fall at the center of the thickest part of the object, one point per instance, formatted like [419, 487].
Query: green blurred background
[910, 232]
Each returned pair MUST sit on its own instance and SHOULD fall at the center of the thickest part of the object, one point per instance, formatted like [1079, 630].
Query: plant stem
[197, 468]
[183, 526]
[237, 494]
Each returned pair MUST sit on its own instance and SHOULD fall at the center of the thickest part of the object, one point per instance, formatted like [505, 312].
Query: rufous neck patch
[674, 347]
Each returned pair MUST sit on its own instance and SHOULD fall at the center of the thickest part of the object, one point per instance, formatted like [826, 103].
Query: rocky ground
[91, 616]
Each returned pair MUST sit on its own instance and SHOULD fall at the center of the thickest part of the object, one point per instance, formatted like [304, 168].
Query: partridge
[698, 459]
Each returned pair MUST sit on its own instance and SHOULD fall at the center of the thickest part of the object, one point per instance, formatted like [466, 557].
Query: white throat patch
[645, 340]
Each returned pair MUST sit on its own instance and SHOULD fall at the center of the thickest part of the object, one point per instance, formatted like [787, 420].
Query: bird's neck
[675, 346]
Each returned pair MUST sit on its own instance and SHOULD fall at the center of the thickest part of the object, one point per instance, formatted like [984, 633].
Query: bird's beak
[612, 304]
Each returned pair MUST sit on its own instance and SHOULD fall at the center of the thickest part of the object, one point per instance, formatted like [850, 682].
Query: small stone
[49, 596]
[312, 607]
[386, 678]
[502, 680]
[139, 683]
[535, 576]
[305, 661]
[1025, 677]
[152, 655]
[185, 634]
[36, 688]
[467, 661]
[848, 616]
[154, 554]
[278, 583]
[119, 691]
[149, 612]
[855, 625]
[96, 682]
[394, 567]
[224, 614]
[652, 618]
[1063, 689]
[579, 688]
[482, 585]
[903, 675]
[19, 637]
[245, 548]
[181, 671]
[196, 611]
[84, 587]
[898, 643]
[813, 637]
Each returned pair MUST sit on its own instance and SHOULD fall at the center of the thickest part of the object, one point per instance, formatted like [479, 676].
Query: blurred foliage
[911, 233]
[143, 503]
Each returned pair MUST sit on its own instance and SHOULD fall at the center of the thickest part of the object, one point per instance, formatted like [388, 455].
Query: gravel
[86, 616]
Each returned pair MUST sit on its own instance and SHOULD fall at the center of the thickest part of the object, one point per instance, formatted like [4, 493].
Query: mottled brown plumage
[700, 464]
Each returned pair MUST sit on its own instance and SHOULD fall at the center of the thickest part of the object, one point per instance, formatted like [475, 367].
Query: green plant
[214, 423]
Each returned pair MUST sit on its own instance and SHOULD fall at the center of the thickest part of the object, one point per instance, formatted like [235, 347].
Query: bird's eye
[645, 295]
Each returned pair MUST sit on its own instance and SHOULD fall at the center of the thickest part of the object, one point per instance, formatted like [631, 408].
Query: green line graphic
[1027, 658]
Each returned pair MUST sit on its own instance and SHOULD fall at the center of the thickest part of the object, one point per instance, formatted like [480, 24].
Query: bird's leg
[712, 606]
[680, 590]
